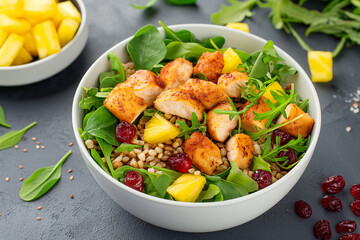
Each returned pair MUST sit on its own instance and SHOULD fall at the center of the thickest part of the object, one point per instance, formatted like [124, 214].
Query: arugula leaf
[185, 130]
[150, 112]
[149, 4]
[236, 12]
[127, 147]
[3, 119]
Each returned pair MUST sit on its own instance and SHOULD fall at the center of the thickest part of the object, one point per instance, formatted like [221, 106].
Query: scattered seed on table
[7, 179]
[20, 179]
[38, 143]
[37, 147]
[72, 196]
[39, 207]
[0, 215]
[16, 146]
[38, 218]
[348, 129]
[70, 171]
[42, 147]
[71, 178]
[70, 144]
[33, 138]
[20, 166]
[25, 150]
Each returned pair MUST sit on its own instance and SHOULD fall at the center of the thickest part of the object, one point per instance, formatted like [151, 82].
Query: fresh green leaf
[228, 189]
[117, 67]
[89, 102]
[161, 184]
[181, 2]
[146, 48]
[3, 119]
[171, 173]
[41, 181]
[185, 50]
[106, 149]
[215, 42]
[86, 118]
[236, 12]
[98, 160]
[149, 4]
[127, 147]
[259, 163]
[201, 76]
[108, 82]
[209, 194]
[238, 177]
[180, 36]
[150, 112]
[185, 130]
[11, 138]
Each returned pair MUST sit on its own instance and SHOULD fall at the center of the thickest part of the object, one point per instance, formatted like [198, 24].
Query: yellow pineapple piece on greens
[46, 39]
[37, 11]
[12, 8]
[13, 25]
[29, 43]
[276, 87]
[3, 37]
[10, 49]
[66, 9]
[23, 57]
[67, 30]
[187, 187]
[159, 130]
[231, 61]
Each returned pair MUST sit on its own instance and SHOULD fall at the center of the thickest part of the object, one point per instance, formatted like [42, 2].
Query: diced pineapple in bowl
[39, 38]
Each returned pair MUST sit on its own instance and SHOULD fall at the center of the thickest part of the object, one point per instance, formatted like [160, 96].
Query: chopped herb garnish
[185, 130]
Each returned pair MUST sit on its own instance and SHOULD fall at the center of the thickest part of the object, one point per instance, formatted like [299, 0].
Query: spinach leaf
[181, 2]
[212, 194]
[228, 189]
[104, 75]
[117, 67]
[238, 177]
[161, 184]
[146, 48]
[259, 163]
[86, 118]
[217, 40]
[89, 102]
[127, 147]
[244, 56]
[106, 149]
[108, 82]
[236, 12]
[13, 137]
[102, 124]
[180, 36]
[99, 161]
[3, 119]
[260, 69]
[41, 181]
[150, 3]
[185, 50]
[171, 173]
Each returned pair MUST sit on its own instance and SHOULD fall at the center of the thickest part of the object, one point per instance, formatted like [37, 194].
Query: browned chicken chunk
[219, 126]
[230, 83]
[207, 92]
[302, 126]
[211, 65]
[179, 102]
[240, 150]
[175, 73]
[204, 154]
[248, 123]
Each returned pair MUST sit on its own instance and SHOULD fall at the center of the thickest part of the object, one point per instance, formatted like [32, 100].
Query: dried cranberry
[291, 157]
[355, 206]
[346, 227]
[333, 185]
[263, 178]
[134, 180]
[284, 137]
[125, 132]
[355, 191]
[179, 162]
[322, 230]
[350, 236]
[331, 203]
[303, 209]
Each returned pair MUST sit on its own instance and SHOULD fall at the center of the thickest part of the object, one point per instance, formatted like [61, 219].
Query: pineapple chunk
[39, 10]
[239, 26]
[11, 8]
[3, 36]
[10, 49]
[14, 25]
[67, 30]
[46, 39]
[276, 87]
[232, 61]
[66, 9]
[29, 44]
[320, 66]
[22, 57]
[159, 130]
[187, 187]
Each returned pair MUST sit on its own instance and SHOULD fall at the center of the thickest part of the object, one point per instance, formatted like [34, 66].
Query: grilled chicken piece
[124, 104]
[248, 123]
[207, 92]
[179, 102]
[240, 149]
[204, 154]
[211, 65]
[175, 73]
[143, 83]
[219, 126]
[230, 82]
[302, 126]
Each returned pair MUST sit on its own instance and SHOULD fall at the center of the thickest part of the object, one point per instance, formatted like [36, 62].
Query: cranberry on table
[350, 236]
[134, 180]
[346, 227]
[355, 206]
[284, 137]
[333, 184]
[291, 157]
[125, 132]
[322, 230]
[179, 162]
[262, 177]
[355, 191]
[331, 203]
[303, 209]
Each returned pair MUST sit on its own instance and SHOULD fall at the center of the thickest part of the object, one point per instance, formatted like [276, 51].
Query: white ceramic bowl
[199, 217]
[51, 65]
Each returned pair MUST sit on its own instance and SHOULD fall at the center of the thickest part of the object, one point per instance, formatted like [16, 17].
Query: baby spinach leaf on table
[106, 149]
[127, 147]
[89, 102]
[181, 2]
[259, 163]
[41, 181]
[117, 67]
[185, 130]
[185, 50]
[161, 184]
[236, 12]
[238, 177]
[11, 138]
[3, 119]
[212, 194]
[149, 4]
[146, 48]
[102, 124]
[228, 189]
[98, 160]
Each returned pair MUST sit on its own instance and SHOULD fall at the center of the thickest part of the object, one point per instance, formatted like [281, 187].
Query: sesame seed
[72, 196]
[25, 150]
[348, 129]
[37, 147]
[33, 138]
[70, 171]
[42, 147]
[16, 146]
[70, 144]
[0, 215]
[20, 179]
[20, 166]
[71, 178]
[38, 218]
[7, 179]
[39, 207]
[38, 143]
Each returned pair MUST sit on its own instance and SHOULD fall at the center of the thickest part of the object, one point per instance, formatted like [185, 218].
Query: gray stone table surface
[92, 214]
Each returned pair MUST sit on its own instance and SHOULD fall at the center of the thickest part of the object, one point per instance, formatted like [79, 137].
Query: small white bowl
[51, 65]
[199, 217]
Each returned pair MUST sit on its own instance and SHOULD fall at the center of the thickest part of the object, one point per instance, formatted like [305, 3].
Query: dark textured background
[92, 214]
